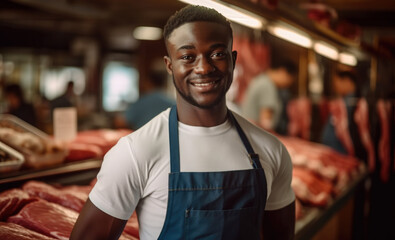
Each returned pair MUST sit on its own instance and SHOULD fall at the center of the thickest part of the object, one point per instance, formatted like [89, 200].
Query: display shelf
[68, 173]
[315, 218]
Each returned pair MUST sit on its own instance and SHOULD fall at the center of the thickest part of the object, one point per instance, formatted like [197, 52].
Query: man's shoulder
[152, 129]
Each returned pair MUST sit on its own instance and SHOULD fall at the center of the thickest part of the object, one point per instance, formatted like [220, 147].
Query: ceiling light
[231, 12]
[294, 36]
[326, 50]
[348, 59]
[147, 33]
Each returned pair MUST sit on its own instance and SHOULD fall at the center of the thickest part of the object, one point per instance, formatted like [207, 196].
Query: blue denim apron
[214, 205]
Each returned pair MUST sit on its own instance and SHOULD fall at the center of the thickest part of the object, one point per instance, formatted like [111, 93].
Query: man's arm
[93, 223]
[279, 224]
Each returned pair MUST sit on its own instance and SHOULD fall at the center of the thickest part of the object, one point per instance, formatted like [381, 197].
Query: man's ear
[234, 57]
[169, 66]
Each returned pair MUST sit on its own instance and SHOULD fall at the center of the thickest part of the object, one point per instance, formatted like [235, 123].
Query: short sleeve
[281, 191]
[118, 185]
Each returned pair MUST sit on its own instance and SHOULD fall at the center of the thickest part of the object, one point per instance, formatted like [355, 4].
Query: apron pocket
[222, 224]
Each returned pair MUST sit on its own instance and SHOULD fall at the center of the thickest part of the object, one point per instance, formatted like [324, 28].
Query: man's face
[201, 63]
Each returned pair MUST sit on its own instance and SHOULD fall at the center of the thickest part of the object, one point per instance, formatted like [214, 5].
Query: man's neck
[195, 116]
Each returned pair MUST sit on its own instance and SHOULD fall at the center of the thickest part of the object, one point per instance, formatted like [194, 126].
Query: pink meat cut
[12, 231]
[47, 218]
[361, 118]
[338, 110]
[322, 160]
[384, 109]
[52, 194]
[309, 188]
[11, 201]
[132, 226]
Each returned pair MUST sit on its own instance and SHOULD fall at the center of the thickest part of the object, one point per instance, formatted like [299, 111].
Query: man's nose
[204, 66]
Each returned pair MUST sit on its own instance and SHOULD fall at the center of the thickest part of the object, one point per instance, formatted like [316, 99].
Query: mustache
[208, 76]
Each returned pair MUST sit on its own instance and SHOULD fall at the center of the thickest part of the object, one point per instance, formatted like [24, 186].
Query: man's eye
[186, 57]
[218, 55]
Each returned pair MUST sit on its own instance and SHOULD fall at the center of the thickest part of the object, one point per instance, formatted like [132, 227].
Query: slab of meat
[361, 118]
[103, 138]
[11, 201]
[299, 114]
[80, 192]
[125, 236]
[12, 231]
[340, 120]
[383, 109]
[310, 188]
[52, 194]
[80, 151]
[47, 218]
[322, 160]
[132, 226]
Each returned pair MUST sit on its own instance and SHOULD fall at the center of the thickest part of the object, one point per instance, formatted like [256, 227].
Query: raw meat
[12, 231]
[52, 194]
[340, 121]
[103, 138]
[322, 160]
[361, 118]
[383, 109]
[47, 218]
[80, 192]
[125, 236]
[11, 201]
[80, 151]
[132, 226]
[310, 188]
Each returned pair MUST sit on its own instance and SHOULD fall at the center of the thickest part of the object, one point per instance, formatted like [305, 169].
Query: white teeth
[203, 84]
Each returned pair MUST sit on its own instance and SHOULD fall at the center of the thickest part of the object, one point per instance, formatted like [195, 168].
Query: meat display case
[81, 172]
[315, 219]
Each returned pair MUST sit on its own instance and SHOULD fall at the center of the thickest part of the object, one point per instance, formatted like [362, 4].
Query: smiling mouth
[205, 84]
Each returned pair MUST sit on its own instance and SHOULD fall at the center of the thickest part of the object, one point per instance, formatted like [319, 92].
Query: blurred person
[264, 101]
[67, 99]
[17, 105]
[153, 101]
[340, 131]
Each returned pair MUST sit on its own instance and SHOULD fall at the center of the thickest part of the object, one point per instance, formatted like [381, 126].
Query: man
[192, 171]
[263, 103]
[344, 138]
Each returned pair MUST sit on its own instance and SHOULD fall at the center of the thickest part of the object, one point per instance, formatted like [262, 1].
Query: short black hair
[194, 13]
[288, 65]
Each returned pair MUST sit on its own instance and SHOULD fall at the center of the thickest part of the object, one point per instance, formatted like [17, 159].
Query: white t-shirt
[134, 173]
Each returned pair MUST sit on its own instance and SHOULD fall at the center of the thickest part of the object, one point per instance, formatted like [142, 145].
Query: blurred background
[111, 50]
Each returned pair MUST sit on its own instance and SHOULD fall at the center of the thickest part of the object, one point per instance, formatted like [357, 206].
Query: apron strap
[254, 157]
[174, 144]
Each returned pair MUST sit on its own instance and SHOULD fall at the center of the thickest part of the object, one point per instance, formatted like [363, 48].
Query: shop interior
[110, 50]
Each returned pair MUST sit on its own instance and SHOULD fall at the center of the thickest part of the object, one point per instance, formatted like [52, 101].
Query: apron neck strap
[175, 146]
[254, 158]
[173, 138]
